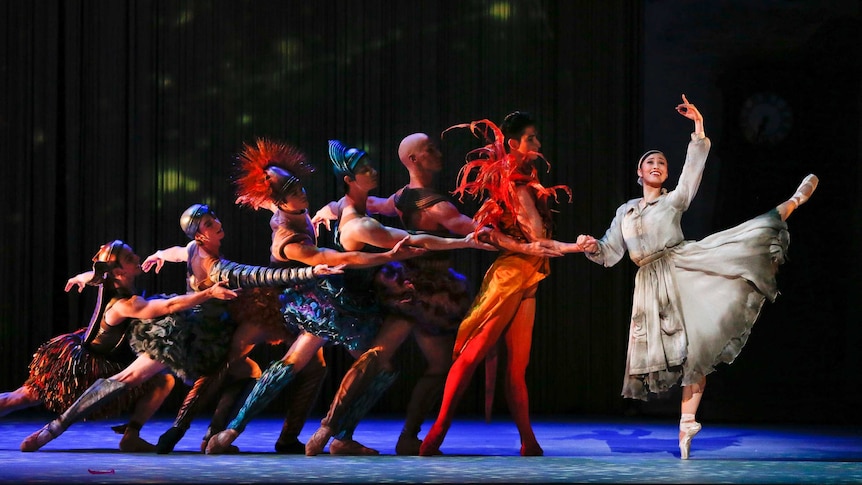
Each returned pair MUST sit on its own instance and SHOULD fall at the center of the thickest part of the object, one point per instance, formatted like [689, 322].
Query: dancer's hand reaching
[588, 243]
[691, 112]
[79, 280]
[325, 269]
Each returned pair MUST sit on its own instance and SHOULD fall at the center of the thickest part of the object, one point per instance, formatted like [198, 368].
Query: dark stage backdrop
[116, 116]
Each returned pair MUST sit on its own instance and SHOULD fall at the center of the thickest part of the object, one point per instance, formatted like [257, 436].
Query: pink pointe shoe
[687, 432]
[39, 438]
[806, 188]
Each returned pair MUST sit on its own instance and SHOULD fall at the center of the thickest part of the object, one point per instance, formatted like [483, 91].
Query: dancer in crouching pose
[259, 321]
[694, 302]
[65, 366]
[188, 334]
[118, 272]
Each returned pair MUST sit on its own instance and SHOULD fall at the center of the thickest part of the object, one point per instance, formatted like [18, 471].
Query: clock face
[765, 119]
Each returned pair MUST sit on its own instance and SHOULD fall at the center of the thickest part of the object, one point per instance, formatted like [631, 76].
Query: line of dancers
[694, 302]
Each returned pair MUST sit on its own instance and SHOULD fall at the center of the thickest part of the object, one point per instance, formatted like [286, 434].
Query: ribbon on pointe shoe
[806, 188]
[689, 429]
[38, 439]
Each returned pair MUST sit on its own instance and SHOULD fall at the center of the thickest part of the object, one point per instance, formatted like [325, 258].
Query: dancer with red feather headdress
[515, 203]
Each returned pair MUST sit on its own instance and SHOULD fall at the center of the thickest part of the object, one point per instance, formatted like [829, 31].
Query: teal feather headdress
[344, 160]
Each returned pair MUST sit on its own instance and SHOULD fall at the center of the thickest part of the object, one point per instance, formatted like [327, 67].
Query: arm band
[250, 276]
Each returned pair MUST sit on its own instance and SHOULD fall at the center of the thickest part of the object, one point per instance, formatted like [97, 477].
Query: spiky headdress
[496, 175]
[344, 160]
[267, 171]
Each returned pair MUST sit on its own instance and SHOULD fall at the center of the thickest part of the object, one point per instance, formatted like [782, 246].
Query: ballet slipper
[219, 443]
[350, 447]
[806, 188]
[40, 438]
[314, 445]
[231, 450]
[169, 439]
[686, 433]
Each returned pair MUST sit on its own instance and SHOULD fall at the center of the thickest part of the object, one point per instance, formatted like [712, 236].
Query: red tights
[513, 322]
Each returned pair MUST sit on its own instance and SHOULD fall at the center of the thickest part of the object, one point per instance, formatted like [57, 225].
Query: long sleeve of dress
[692, 171]
[644, 232]
[612, 246]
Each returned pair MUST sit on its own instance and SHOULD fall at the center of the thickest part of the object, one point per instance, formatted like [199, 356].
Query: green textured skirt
[191, 343]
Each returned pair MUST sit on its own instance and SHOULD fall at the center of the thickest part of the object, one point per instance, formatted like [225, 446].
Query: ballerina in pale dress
[694, 302]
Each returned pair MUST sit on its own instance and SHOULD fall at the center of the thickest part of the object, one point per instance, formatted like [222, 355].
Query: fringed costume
[65, 366]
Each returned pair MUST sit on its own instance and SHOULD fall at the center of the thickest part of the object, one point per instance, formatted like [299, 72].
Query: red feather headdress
[492, 173]
[254, 178]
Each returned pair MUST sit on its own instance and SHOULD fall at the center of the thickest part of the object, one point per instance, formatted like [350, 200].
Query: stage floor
[576, 451]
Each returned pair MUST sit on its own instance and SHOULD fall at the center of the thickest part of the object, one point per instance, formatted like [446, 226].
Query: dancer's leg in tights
[274, 379]
[437, 350]
[22, 398]
[688, 426]
[518, 338]
[463, 368]
[101, 392]
[302, 394]
[361, 387]
[145, 407]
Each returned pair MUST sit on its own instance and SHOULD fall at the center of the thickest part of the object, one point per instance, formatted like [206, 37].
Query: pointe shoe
[805, 189]
[39, 438]
[350, 447]
[407, 445]
[314, 445]
[687, 432]
[219, 443]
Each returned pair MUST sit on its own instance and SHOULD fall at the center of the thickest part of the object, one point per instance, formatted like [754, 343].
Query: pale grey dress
[694, 301]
